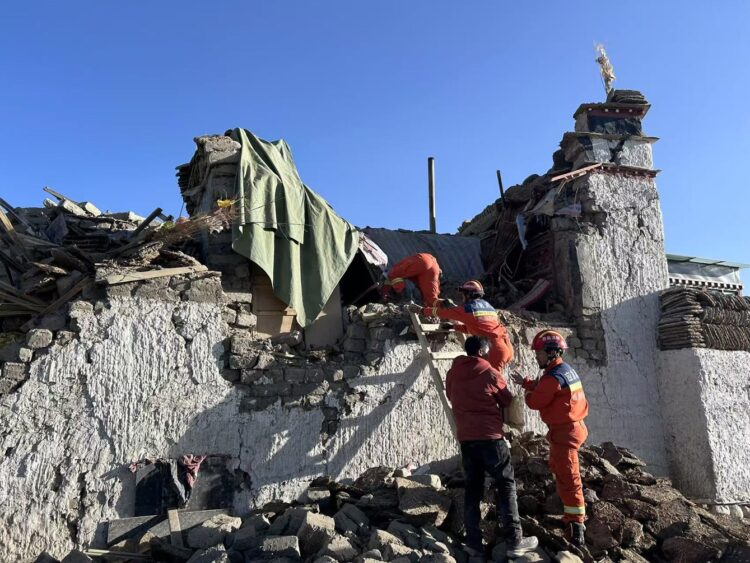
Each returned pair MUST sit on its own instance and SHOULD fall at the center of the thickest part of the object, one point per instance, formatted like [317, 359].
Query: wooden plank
[124, 555]
[175, 532]
[20, 301]
[10, 261]
[36, 241]
[445, 355]
[6, 288]
[146, 222]
[62, 300]
[58, 195]
[65, 258]
[576, 173]
[7, 226]
[128, 277]
[11, 211]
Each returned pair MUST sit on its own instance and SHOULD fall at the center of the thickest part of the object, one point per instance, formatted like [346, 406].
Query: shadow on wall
[275, 452]
[623, 391]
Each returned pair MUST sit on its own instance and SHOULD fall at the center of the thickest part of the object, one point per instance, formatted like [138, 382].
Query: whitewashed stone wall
[706, 399]
[143, 380]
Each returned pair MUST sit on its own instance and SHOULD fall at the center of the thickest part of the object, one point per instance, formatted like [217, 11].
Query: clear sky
[101, 100]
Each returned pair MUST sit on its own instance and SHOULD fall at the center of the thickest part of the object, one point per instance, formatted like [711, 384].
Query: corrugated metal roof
[459, 257]
[706, 261]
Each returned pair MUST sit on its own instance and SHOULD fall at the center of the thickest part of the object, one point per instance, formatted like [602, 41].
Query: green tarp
[287, 229]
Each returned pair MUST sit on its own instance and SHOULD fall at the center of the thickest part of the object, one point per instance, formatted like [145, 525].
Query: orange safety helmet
[473, 286]
[549, 340]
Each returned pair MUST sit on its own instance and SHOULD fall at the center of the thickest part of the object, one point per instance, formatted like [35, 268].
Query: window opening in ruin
[357, 284]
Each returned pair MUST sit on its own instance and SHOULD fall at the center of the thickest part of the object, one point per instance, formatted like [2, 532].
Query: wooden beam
[109, 554]
[154, 214]
[10, 261]
[7, 226]
[62, 300]
[20, 301]
[58, 195]
[11, 211]
[445, 355]
[500, 185]
[7, 288]
[128, 277]
[175, 531]
[576, 173]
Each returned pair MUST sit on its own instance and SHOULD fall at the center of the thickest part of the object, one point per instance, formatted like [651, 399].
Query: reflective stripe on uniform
[394, 281]
[574, 509]
[576, 387]
[484, 313]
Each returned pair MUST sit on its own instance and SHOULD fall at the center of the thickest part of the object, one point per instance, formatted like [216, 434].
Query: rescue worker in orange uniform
[478, 318]
[559, 398]
[423, 270]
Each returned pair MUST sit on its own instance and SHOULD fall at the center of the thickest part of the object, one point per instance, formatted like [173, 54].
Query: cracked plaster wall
[614, 266]
[143, 380]
[706, 398]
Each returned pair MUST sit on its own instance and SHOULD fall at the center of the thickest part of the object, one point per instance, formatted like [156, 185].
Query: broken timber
[175, 531]
[127, 277]
[432, 357]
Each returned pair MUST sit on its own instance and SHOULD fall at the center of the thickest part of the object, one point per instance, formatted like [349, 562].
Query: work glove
[517, 378]
[413, 308]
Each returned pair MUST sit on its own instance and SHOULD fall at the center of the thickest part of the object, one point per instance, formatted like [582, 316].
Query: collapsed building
[225, 361]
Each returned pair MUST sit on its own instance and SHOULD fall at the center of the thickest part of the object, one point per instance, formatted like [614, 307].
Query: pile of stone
[694, 318]
[411, 516]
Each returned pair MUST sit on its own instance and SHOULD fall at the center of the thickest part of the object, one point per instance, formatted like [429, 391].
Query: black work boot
[577, 534]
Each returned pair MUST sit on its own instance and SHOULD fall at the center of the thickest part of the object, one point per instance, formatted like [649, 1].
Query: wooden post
[500, 185]
[431, 192]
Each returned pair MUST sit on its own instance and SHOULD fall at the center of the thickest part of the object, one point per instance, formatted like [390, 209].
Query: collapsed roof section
[289, 231]
[517, 231]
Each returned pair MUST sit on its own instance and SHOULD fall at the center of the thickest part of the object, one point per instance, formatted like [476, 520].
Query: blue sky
[101, 100]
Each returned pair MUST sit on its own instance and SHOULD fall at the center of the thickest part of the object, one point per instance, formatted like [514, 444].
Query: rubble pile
[694, 318]
[51, 254]
[412, 515]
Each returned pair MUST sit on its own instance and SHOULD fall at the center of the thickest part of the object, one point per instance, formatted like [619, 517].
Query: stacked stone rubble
[408, 517]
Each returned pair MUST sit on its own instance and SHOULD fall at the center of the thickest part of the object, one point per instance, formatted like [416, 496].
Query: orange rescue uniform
[559, 398]
[479, 318]
[423, 270]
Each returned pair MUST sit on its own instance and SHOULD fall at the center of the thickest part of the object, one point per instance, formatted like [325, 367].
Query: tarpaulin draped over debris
[287, 229]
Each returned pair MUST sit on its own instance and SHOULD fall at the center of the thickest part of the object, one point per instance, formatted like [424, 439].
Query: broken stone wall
[145, 376]
[591, 230]
[706, 402]
[611, 263]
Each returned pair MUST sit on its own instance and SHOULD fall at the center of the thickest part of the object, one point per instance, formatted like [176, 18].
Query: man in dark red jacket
[478, 393]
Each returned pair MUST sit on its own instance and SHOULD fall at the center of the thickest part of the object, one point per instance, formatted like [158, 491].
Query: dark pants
[492, 457]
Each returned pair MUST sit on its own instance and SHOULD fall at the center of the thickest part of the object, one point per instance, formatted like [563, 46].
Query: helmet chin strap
[552, 355]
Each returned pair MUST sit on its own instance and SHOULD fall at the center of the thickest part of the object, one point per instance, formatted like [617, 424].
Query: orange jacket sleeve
[450, 313]
[503, 396]
[542, 394]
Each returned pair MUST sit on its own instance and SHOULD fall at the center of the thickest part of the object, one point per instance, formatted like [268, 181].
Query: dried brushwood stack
[694, 318]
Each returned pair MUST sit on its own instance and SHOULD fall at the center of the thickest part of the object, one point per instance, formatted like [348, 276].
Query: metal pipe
[431, 192]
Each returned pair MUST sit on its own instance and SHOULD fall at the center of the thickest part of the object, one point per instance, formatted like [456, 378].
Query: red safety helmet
[549, 340]
[473, 286]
